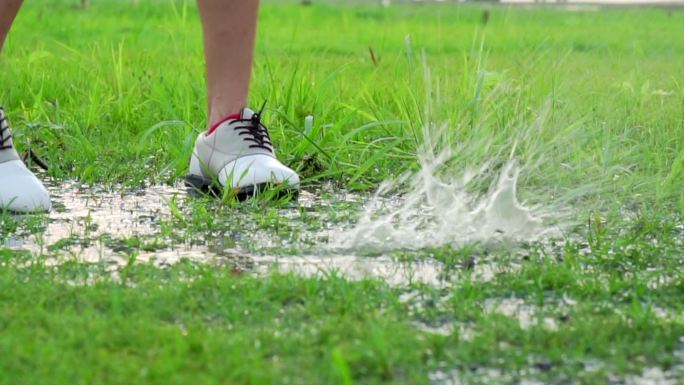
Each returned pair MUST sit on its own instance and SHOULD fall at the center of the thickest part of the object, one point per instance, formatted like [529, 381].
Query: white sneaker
[20, 190]
[239, 154]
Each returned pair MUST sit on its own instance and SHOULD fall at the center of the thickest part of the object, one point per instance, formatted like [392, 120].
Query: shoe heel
[196, 180]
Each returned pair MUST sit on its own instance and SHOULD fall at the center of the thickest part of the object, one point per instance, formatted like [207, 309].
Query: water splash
[437, 206]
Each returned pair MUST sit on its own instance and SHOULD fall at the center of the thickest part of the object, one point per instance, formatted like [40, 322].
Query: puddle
[93, 225]
[82, 215]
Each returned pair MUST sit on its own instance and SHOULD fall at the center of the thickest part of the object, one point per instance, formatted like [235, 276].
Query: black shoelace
[254, 131]
[5, 134]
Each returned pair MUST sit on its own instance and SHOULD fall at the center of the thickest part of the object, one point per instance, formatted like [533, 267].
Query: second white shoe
[238, 153]
[20, 190]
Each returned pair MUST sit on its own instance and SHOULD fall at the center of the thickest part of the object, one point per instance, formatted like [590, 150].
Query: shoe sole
[202, 186]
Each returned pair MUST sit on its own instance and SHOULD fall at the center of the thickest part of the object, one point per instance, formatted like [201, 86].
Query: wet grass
[170, 288]
[580, 316]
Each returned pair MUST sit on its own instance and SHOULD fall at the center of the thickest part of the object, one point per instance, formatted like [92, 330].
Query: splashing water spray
[436, 207]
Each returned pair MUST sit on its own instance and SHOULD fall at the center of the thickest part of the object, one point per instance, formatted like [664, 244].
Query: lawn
[590, 104]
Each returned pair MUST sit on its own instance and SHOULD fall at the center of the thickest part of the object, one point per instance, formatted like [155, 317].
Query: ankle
[219, 110]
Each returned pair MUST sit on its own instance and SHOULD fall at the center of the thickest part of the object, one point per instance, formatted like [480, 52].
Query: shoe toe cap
[20, 190]
[255, 170]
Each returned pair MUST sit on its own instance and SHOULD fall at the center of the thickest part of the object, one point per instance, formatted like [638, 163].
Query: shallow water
[83, 214]
[94, 225]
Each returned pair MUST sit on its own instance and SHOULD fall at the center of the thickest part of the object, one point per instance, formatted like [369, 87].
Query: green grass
[591, 103]
[101, 90]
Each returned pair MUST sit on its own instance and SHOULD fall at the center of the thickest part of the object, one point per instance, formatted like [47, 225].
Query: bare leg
[229, 28]
[8, 10]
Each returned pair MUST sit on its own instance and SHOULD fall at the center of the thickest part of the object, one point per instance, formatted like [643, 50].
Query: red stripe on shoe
[226, 119]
